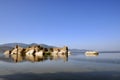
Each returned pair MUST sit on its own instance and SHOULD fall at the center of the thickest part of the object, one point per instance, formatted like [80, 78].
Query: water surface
[74, 67]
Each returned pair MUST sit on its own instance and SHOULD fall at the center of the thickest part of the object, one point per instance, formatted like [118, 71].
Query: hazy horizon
[79, 24]
[59, 46]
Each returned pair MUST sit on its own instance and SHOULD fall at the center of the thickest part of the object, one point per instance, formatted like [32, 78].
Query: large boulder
[18, 50]
[7, 52]
[58, 51]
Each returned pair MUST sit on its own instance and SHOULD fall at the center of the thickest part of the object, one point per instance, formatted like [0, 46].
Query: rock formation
[91, 53]
[37, 53]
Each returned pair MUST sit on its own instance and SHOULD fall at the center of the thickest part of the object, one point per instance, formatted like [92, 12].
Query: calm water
[74, 67]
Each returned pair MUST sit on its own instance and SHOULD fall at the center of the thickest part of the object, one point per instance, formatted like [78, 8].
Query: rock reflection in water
[36, 58]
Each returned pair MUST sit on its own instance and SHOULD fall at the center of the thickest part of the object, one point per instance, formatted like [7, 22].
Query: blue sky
[81, 24]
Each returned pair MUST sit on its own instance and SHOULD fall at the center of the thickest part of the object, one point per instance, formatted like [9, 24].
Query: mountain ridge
[9, 46]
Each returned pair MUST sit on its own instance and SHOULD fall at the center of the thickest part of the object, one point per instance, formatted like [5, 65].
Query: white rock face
[91, 53]
[69, 53]
[7, 52]
[39, 53]
[30, 52]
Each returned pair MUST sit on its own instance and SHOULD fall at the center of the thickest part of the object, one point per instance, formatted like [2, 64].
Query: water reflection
[36, 58]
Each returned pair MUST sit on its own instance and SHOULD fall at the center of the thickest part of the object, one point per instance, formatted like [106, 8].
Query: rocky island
[36, 53]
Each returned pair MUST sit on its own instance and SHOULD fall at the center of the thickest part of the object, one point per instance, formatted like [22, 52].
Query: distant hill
[14, 44]
[8, 46]
[109, 51]
[4, 48]
[43, 45]
[78, 50]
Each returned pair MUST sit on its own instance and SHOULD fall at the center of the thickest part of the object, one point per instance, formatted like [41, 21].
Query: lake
[74, 67]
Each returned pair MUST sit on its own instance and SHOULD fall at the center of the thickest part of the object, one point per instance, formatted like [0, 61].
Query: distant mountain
[14, 44]
[4, 48]
[109, 51]
[8, 46]
[46, 46]
[78, 50]
[23, 45]
[43, 45]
